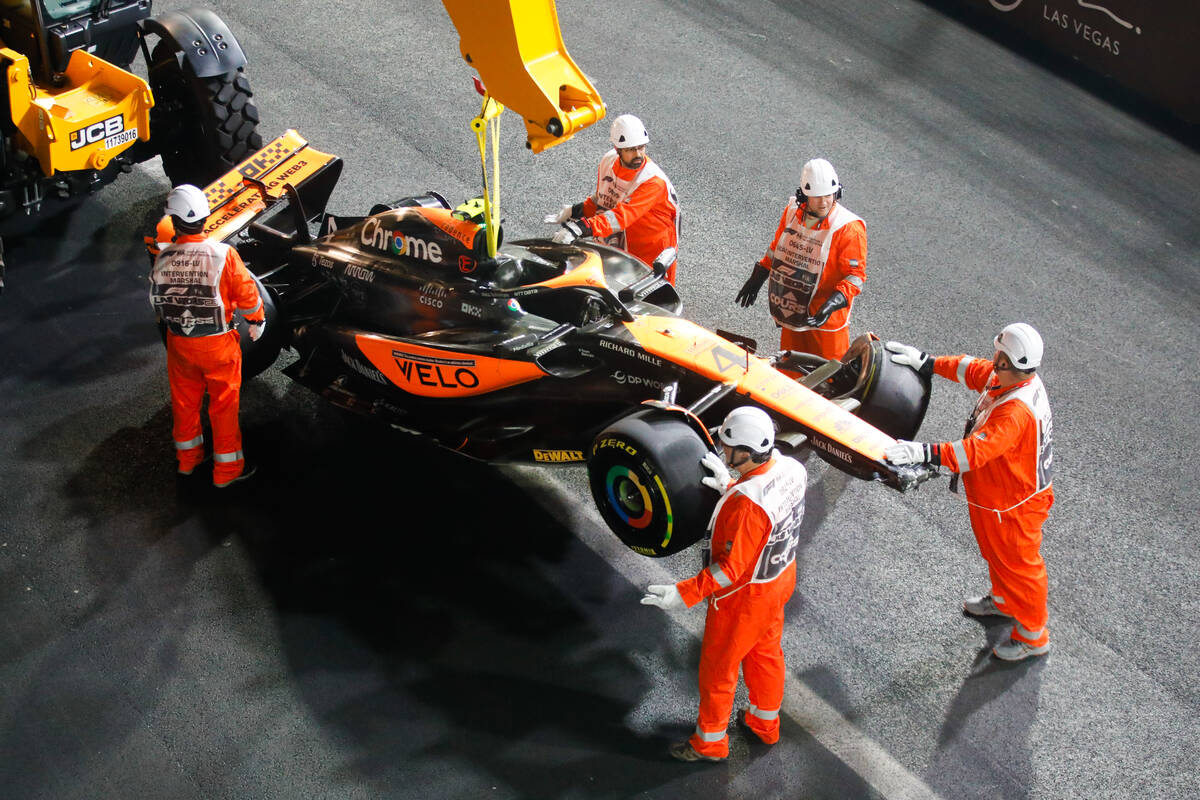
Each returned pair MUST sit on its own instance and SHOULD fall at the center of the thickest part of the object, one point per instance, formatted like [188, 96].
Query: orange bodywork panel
[237, 196]
[435, 372]
[590, 272]
[704, 352]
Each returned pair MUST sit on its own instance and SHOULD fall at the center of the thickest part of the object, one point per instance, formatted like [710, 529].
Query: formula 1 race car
[546, 353]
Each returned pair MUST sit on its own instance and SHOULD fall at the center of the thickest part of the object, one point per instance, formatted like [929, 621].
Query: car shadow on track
[72, 282]
[447, 633]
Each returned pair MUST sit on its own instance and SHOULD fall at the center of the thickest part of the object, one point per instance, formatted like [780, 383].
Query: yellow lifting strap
[517, 48]
[488, 122]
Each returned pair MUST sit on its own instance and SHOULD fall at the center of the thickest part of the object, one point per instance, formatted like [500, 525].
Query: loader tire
[202, 127]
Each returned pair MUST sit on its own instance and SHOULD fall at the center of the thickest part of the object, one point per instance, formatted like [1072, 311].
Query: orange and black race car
[545, 353]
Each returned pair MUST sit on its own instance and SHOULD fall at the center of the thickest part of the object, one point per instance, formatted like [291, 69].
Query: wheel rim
[630, 499]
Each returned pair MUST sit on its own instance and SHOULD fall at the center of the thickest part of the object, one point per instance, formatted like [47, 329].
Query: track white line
[826, 724]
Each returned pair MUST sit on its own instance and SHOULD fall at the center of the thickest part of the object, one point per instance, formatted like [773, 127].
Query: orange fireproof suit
[807, 266]
[195, 286]
[636, 210]
[1005, 460]
[749, 575]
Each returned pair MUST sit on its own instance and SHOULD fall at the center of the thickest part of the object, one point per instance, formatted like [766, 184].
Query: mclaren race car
[545, 353]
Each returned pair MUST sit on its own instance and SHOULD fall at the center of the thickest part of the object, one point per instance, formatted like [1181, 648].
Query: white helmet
[749, 427]
[1022, 344]
[818, 178]
[188, 203]
[628, 131]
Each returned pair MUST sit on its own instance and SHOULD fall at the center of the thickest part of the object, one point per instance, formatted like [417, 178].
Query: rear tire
[644, 472]
[202, 127]
[258, 356]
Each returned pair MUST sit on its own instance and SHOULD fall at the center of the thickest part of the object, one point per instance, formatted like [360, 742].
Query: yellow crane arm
[517, 48]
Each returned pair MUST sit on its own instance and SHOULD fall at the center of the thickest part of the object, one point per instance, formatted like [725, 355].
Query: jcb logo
[97, 132]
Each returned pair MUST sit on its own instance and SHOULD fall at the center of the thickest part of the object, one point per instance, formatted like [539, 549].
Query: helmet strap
[752, 459]
[730, 458]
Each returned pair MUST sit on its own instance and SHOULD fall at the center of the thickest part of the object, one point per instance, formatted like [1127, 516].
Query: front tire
[202, 127]
[644, 472]
[891, 397]
[894, 397]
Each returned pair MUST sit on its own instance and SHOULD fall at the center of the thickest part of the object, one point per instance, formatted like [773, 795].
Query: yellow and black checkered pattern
[257, 165]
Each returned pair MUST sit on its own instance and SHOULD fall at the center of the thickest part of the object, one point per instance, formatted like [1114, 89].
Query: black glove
[749, 291]
[836, 300]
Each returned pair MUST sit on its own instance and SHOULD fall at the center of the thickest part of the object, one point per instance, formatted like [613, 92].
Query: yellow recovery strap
[487, 122]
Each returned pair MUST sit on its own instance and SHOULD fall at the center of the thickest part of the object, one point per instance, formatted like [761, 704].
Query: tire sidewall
[258, 356]
[644, 472]
[896, 398]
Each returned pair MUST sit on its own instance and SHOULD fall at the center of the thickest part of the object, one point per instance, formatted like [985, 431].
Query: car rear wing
[276, 193]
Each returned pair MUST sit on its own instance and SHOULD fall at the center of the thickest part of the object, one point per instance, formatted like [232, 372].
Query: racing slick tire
[258, 356]
[644, 471]
[891, 396]
[894, 397]
[202, 127]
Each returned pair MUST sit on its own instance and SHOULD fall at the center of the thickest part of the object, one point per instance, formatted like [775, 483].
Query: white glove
[256, 329]
[663, 596]
[562, 216]
[720, 478]
[570, 231]
[903, 452]
[910, 356]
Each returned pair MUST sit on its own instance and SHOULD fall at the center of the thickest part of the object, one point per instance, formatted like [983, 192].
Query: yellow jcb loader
[77, 117]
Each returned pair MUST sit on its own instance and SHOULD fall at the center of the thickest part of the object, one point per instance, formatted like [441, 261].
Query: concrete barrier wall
[1149, 47]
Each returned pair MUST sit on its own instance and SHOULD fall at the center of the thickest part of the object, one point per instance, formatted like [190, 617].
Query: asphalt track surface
[376, 619]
